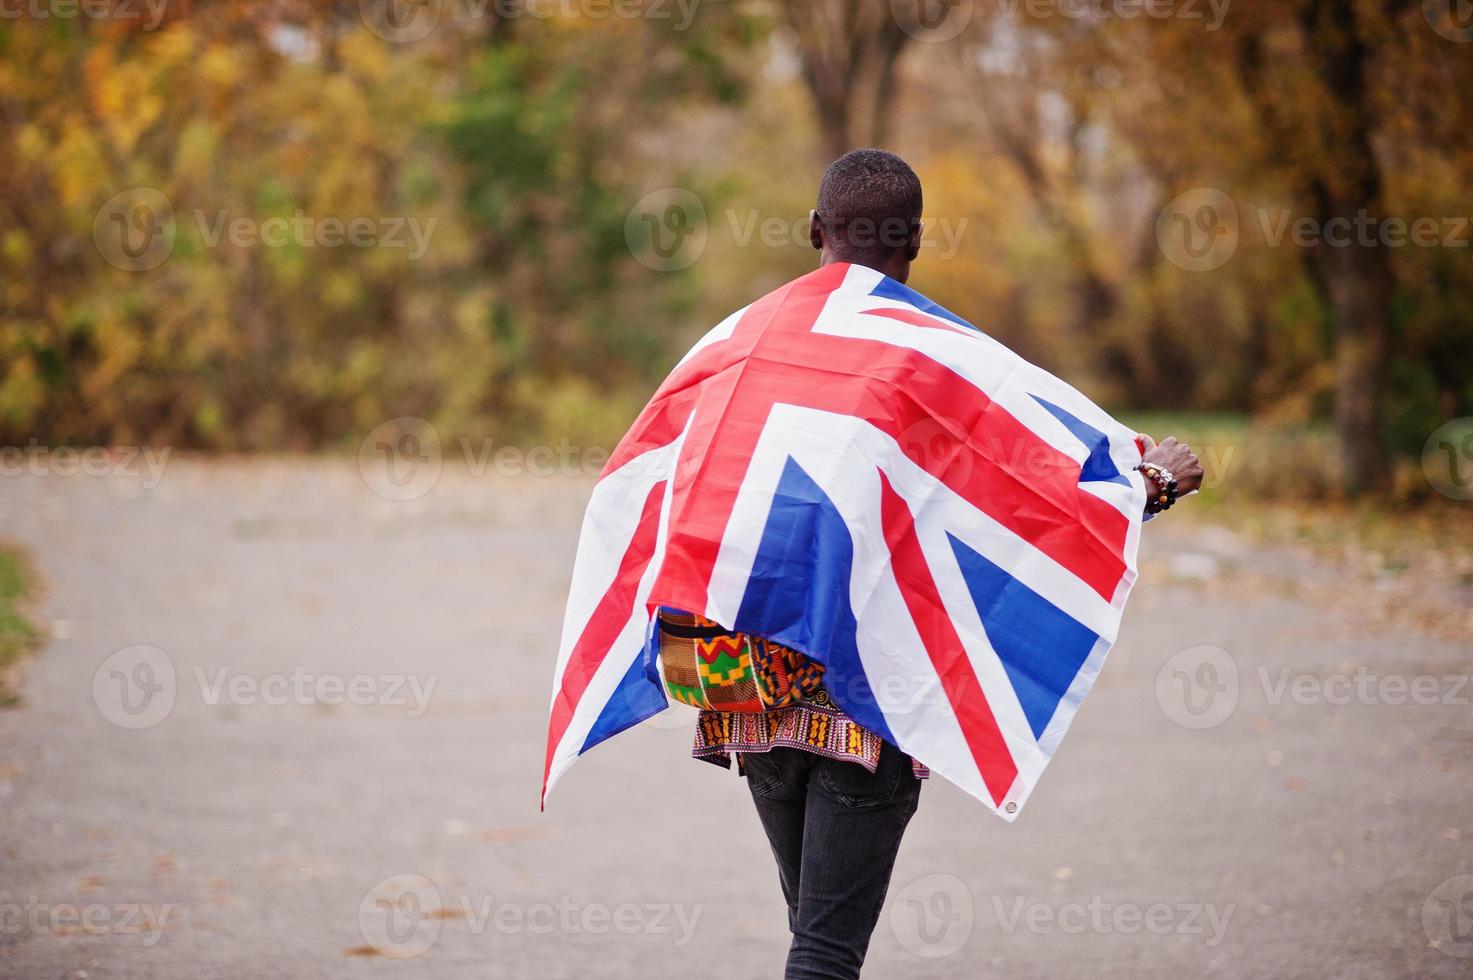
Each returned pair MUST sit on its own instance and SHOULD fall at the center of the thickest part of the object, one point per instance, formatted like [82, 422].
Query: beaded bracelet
[1165, 493]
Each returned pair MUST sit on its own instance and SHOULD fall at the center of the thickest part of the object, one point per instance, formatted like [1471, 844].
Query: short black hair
[869, 202]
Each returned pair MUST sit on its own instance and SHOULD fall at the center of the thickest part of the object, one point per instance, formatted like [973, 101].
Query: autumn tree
[850, 52]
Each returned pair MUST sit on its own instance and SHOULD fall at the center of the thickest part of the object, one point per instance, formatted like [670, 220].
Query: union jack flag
[849, 469]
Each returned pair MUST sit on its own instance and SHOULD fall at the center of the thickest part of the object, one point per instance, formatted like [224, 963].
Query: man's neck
[896, 266]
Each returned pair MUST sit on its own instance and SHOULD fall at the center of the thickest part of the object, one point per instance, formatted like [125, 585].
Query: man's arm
[1176, 457]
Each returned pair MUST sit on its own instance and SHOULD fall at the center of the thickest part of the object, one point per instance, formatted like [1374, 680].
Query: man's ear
[913, 247]
[815, 230]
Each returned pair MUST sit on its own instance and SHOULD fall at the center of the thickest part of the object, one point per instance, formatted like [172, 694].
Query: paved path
[248, 832]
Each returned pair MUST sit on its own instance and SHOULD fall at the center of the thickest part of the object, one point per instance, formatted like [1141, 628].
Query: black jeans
[835, 828]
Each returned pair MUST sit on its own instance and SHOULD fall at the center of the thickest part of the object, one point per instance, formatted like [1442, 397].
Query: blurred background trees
[1115, 197]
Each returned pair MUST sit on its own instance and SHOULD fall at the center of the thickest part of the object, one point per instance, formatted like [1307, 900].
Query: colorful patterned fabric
[757, 695]
[708, 667]
[814, 724]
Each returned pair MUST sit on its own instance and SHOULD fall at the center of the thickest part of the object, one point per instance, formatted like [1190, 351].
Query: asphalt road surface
[285, 726]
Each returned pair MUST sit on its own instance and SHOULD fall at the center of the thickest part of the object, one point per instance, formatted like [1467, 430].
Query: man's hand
[1176, 457]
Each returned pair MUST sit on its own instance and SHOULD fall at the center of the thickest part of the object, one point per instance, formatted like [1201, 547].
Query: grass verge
[19, 637]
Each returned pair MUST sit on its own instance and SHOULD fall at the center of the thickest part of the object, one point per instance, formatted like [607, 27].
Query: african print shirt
[756, 695]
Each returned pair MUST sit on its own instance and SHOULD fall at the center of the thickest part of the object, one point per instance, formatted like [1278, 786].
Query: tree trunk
[1355, 280]
[1358, 276]
[850, 51]
[1360, 287]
